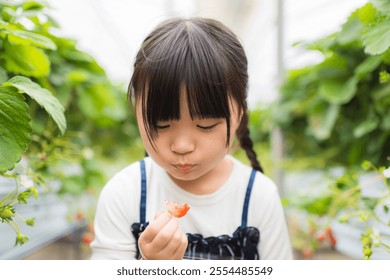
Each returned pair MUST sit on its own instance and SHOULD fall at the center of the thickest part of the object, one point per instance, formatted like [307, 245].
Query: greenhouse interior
[313, 67]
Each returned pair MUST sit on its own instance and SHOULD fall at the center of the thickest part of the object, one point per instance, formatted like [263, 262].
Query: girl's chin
[183, 176]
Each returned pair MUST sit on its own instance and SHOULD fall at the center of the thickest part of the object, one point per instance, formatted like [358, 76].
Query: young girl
[189, 88]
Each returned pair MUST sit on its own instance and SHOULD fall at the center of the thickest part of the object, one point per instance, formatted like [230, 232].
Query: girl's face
[188, 149]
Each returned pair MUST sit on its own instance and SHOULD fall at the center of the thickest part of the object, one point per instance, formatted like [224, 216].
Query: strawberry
[331, 237]
[307, 253]
[321, 237]
[87, 238]
[79, 216]
[176, 210]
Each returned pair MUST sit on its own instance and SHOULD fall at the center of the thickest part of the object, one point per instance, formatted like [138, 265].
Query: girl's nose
[182, 144]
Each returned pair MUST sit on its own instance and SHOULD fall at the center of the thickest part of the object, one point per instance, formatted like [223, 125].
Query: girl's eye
[162, 126]
[208, 127]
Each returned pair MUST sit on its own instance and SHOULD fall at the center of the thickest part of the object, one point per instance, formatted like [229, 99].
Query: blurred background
[319, 97]
[118, 28]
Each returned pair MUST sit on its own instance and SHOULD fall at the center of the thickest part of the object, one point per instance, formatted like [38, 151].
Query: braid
[246, 142]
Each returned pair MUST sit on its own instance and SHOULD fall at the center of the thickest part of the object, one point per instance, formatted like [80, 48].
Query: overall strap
[143, 193]
[244, 219]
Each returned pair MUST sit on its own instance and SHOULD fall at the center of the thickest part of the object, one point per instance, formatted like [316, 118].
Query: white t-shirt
[210, 215]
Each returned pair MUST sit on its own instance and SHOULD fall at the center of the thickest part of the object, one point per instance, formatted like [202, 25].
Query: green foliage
[340, 106]
[15, 129]
[58, 109]
[260, 123]
[336, 113]
[348, 200]
[43, 97]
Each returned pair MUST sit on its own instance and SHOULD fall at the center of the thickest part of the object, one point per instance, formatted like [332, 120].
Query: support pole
[277, 146]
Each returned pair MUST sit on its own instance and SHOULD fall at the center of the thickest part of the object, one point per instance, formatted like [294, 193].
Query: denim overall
[242, 244]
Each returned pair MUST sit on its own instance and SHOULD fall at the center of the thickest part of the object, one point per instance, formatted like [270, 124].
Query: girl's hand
[163, 239]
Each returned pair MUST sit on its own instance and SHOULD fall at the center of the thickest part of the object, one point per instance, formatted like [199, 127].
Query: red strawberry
[321, 237]
[307, 253]
[87, 238]
[331, 237]
[176, 210]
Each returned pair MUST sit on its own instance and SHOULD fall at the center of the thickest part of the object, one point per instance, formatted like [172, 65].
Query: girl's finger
[173, 244]
[181, 249]
[164, 237]
[158, 214]
[153, 229]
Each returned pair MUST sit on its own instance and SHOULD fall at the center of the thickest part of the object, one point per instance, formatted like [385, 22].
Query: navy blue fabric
[143, 193]
[244, 218]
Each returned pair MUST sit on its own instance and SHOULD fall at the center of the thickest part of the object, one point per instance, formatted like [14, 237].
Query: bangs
[182, 58]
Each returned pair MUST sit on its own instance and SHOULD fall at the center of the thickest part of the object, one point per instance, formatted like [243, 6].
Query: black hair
[200, 57]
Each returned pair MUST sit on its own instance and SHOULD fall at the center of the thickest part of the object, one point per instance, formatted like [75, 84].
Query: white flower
[386, 172]
[26, 181]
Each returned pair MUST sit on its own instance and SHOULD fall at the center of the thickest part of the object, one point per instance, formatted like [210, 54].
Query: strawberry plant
[59, 112]
[18, 45]
[337, 110]
[340, 106]
[348, 199]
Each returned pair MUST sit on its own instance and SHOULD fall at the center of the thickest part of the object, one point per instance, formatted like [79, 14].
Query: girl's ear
[241, 113]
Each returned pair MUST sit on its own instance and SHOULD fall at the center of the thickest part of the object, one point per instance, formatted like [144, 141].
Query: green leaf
[350, 31]
[370, 202]
[3, 75]
[386, 56]
[377, 38]
[366, 126]
[78, 76]
[338, 90]
[367, 13]
[96, 104]
[385, 124]
[3, 24]
[334, 61]
[22, 37]
[318, 206]
[26, 60]
[15, 127]
[43, 97]
[8, 13]
[383, 6]
[321, 45]
[64, 44]
[33, 5]
[76, 55]
[322, 120]
[367, 66]
[381, 92]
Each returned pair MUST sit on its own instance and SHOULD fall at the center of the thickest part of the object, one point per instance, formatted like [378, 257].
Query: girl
[189, 89]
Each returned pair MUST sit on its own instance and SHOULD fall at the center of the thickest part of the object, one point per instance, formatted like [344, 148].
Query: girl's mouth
[184, 167]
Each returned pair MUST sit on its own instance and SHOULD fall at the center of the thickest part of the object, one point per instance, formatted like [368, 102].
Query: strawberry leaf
[377, 38]
[43, 97]
[23, 37]
[15, 127]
